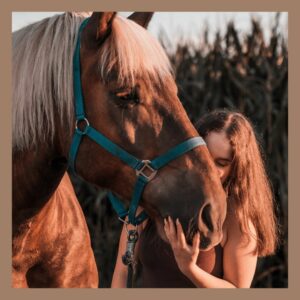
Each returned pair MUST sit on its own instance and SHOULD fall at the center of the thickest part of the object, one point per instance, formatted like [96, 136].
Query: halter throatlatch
[146, 170]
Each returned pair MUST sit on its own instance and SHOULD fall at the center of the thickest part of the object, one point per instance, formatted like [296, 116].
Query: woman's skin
[239, 258]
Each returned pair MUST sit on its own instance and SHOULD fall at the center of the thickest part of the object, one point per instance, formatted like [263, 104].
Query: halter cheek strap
[145, 169]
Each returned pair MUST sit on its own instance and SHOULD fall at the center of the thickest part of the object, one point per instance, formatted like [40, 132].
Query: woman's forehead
[219, 145]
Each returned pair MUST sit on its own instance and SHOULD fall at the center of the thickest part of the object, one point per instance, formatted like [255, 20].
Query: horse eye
[125, 97]
[128, 96]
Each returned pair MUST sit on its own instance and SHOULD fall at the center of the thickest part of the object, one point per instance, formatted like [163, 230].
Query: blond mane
[43, 71]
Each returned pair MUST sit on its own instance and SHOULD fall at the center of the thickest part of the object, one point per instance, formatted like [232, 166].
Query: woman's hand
[185, 255]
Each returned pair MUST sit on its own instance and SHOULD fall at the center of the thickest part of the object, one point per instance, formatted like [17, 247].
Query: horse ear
[142, 18]
[99, 24]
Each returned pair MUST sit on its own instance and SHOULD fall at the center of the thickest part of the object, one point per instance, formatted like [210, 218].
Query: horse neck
[36, 174]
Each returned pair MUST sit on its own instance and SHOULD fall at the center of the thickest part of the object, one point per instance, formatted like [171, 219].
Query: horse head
[130, 96]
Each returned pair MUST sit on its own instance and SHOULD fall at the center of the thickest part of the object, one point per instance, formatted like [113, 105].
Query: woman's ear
[141, 18]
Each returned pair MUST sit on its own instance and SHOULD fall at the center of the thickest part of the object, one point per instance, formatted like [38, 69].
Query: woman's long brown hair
[248, 186]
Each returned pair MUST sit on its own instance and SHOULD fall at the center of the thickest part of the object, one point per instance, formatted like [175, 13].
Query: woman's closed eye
[222, 163]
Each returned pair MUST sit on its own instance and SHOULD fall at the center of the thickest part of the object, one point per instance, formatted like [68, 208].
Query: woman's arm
[119, 279]
[120, 272]
[239, 262]
[239, 255]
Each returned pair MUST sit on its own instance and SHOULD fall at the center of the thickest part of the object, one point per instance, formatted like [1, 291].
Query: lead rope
[132, 265]
[128, 257]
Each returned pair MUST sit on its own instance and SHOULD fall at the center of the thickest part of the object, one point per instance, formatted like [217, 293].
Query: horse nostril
[204, 242]
[206, 217]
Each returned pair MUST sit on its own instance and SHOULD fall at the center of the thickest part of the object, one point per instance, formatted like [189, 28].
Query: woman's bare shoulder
[232, 230]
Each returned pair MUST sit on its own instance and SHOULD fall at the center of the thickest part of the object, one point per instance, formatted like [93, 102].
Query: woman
[249, 230]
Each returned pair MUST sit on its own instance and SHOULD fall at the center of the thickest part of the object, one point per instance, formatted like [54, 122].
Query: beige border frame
[5, 146]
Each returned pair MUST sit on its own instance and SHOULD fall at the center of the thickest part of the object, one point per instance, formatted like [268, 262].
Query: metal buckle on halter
[132, 237]
[128, 257]
[144, 168]
[84, 130]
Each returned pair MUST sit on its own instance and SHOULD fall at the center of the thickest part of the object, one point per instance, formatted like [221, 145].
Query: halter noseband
[145, 169]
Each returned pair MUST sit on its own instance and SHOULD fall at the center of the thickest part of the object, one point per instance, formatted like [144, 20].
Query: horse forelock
[132, 52]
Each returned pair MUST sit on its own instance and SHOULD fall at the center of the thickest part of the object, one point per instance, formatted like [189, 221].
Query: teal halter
[142, 167]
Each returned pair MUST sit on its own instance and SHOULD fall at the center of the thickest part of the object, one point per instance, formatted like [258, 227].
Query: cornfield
[248, 74]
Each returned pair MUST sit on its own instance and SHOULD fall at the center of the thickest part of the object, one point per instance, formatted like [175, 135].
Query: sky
[183, 25]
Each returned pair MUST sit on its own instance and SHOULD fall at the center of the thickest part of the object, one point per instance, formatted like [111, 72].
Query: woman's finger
[172, 229]
[166, 227]
[167, 231]
[180, 234]
[196, 242]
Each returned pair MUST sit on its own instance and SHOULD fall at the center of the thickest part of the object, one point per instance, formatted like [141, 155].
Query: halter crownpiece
[146, 170]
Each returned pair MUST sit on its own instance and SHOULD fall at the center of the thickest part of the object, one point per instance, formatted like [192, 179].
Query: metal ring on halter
[87, 124]
[126, 224]
[128, 230]
[146, 166]
[123, 220]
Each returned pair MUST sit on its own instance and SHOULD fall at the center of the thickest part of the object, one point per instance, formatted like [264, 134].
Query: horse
[130, 96]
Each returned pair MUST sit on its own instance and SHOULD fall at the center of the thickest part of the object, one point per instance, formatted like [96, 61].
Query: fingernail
[177, 221]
